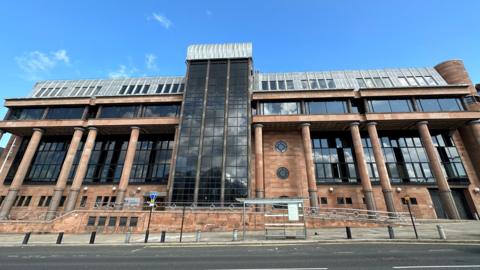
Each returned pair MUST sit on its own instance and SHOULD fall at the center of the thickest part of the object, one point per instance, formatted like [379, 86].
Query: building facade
[362, 139]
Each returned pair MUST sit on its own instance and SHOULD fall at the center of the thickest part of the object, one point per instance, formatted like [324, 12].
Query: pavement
[316, 256]
[459, 232]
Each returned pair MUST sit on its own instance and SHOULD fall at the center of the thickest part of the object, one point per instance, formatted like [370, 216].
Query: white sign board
[293, 212]
[131, 201]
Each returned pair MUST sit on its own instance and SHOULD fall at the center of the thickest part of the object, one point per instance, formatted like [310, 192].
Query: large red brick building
[90, 152]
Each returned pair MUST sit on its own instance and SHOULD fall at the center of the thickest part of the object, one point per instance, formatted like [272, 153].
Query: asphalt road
[310, 257]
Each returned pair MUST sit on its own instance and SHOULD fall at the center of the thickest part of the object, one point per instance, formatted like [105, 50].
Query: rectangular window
[323, 200]
[348, 200]
[125, 111]
[26, 113]
[273, 85]
[290, 85]
[175, 88]
[101, 221]
[62, 201]
[122, 90]
[65, 113]
[340, 200]
[440, 104]
[413, 201]
[281, 108]
[264, 85]
[167, 88]
[133, 221]
[331, 83]
[304, 84]
[281, 85]
[123, 222]
[138, 89]
[313, 84]
[159, 88]
[390, 105]
[378, 82]
[83, 201]
[327, 107]
[91, 221]
[145, 89]
[112, 221]
[166, 110]
[369, 83]
[361, 83]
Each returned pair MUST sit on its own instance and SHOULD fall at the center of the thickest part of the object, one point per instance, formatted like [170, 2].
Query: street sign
[153, 195]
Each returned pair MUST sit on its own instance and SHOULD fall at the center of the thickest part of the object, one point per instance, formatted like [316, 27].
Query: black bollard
[162, 238]
[26, 238]
[92, 237]
[59, 238]
[391, 234]
[147, 233]
[349, 233]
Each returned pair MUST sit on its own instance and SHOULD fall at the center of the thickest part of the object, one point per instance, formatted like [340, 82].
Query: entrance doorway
[460, 202]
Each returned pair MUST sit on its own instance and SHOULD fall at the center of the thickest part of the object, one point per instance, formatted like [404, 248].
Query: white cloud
[164, 21]
[209, 12]
[35, 63]
[122, 72]
[151, 61]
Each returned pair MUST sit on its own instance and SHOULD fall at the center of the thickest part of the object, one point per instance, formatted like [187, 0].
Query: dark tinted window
[112, 221]
[133, 221]
[325, 107]
[118, 111]
[161, 110]
[101, 221]
[26, 113]
[91, 221]
[440, 104]
[278, 108]
[65, 113]
[394, 105]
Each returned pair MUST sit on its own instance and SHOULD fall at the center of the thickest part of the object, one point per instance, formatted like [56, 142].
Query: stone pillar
[81, 170]
[21, 172]
[381, 167]
[442, 183]
[475, 126]
[259, 181]
[307, 148]
[64, 173]
[127, 167]
[362, 166]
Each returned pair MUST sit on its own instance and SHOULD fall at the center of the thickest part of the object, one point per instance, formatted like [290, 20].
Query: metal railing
[351, 214]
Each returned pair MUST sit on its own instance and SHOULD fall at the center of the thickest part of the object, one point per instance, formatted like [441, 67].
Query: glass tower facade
[212, 158]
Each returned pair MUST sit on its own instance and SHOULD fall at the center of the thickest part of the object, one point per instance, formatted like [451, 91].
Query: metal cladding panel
[346, 79]
[219, 51]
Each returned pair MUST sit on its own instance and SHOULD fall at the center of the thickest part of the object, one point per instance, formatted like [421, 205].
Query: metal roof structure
[219, 51]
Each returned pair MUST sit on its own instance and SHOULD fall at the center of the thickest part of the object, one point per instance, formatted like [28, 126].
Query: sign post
[407, 199]
[153, 197]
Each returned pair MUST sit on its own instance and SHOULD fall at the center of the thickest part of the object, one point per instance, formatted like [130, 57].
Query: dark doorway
[437, 203]
[461, 203]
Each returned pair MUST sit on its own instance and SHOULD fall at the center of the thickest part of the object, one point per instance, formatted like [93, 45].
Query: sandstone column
[442, 183]
[362, 166]
[21, 172]
[64, 173]
[127, 167]
[259, 181]
[381, 167]
[307, 148]
[81, 170]
[475, 126]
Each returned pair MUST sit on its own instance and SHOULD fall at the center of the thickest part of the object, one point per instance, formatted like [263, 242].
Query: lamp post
[153, 196]
[407, 199]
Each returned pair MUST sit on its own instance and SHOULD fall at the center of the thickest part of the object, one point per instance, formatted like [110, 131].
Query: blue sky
[99, 39]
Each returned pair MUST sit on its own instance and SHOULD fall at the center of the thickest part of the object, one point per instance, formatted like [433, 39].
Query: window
[331, 83]
[334, 160]
[323, 200]
[166, 110]
[361, 83]
[406, 159]
[101, 221]
[390, 105]
[280, 108]
[430, 80]
[348, 200]
[152, 160]
[65, 113]
[133, 221]
[413, 201]
[327, 107]
[167, 88]
[91, 221]
[452, 165]
[403, 81]
[159, 88]
[290, 85]
[304, 84]
[282, 173]
[22, 201]
[281, 85]
[123, 222]
[26, 113]
[62, 201]
[273, 85]
[126, 111]
[440, 104]
[112, 221]
[281, 146]
[105, 201]
[313, 84]
[340, 200]
[145, 89]
[175, 88]
[83, 201]
[369, 82]
[264, 85]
